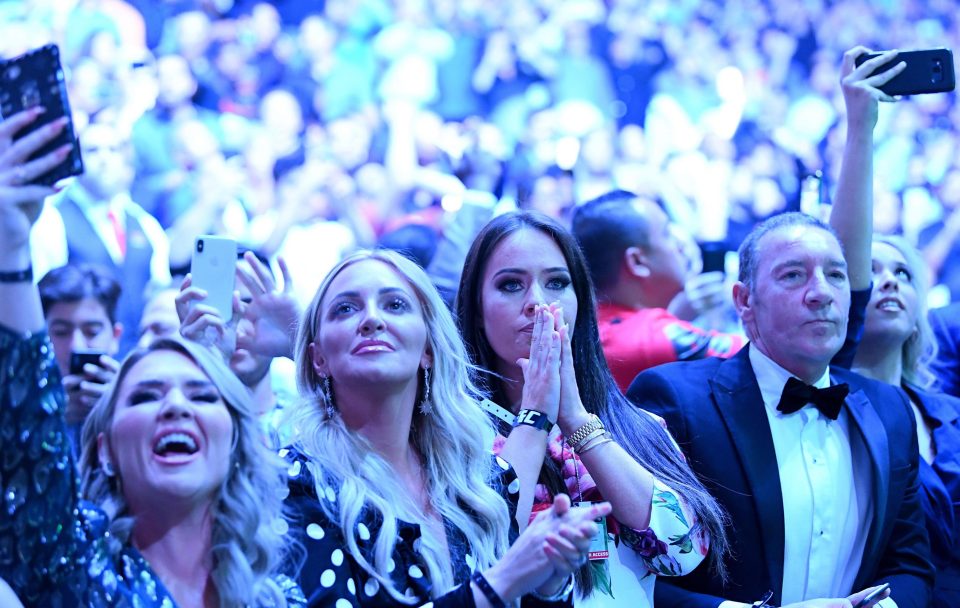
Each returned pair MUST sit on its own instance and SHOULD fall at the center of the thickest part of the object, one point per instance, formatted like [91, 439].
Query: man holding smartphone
[80, 307]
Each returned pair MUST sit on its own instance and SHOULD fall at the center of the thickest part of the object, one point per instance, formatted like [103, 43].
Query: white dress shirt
[826, 481]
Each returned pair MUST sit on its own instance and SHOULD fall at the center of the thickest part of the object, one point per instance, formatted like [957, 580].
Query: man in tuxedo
[820, 483]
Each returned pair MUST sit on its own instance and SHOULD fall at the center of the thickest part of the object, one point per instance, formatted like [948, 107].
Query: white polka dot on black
[315, 531]
[342, 603]
[351, 586]
[371, 587]
[414, 571]
[328, 578]
[336, 557]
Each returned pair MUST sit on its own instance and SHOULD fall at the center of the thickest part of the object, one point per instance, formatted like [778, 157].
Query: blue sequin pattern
[53, 545]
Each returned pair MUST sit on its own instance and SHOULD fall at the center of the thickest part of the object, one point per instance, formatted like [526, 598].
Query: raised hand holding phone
[213, 269]
[207, 305]
[926, 71]
[35, 82]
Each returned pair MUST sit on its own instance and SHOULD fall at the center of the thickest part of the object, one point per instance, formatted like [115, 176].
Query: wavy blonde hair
[450, 440]
[247, 541]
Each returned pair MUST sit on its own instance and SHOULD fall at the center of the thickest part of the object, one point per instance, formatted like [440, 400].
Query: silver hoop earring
[425, 405]
[107, 468]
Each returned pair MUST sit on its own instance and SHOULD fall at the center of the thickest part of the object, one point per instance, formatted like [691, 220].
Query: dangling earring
[327, 391]
[425, 405]
[107, 468]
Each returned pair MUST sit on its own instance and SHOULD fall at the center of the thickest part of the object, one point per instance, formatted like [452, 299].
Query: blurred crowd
[292, 124]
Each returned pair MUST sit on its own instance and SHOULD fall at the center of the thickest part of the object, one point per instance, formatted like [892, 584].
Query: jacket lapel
[740, 405]
[869, 429]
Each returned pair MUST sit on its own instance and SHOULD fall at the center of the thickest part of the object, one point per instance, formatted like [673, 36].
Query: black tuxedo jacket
[714, 409]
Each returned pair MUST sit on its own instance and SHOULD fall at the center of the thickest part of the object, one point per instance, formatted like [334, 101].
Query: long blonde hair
[920, 349]
[450, 440]
[247, 542]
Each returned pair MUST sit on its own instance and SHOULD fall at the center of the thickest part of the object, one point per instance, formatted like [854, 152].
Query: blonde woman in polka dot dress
[395, 496]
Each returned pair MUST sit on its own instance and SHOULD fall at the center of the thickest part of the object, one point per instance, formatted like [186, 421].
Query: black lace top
[53, 545]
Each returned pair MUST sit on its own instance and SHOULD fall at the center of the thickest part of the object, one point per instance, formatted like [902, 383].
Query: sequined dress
[53, 545]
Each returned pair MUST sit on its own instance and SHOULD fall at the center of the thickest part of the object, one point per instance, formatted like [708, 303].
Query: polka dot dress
[331, 577]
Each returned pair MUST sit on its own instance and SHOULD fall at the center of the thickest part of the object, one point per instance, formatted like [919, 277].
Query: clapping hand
[552, 547]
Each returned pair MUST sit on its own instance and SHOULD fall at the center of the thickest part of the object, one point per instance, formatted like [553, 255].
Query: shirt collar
[771, 377]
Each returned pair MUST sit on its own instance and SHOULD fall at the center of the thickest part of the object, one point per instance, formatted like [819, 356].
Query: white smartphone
[213, 269]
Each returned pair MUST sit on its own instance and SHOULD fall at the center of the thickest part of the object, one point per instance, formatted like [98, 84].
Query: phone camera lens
[200, 245]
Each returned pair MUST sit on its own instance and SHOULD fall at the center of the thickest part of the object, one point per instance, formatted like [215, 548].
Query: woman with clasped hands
[182, 496]
[528, 315]
[396, 496]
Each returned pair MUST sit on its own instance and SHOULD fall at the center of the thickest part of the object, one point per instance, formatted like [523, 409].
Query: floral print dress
[672, 545]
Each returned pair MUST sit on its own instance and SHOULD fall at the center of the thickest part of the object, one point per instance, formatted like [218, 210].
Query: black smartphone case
[927, 71]
[36, 79]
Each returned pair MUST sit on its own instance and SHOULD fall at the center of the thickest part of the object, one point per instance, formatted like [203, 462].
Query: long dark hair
[636, 432]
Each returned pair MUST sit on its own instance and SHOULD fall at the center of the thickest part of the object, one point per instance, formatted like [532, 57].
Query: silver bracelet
[559, 596]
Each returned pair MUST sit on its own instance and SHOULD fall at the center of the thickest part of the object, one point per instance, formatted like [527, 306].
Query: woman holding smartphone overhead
[527, 314]
[397, 499]
[181, 497]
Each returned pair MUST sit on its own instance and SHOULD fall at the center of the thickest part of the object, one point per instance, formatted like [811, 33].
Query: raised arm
[20, 206]
[37, 481]
[852, 214]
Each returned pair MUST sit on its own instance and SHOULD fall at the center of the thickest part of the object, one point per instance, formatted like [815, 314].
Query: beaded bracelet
[487, 590]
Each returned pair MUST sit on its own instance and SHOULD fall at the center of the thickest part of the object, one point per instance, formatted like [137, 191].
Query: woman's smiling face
[172, 433]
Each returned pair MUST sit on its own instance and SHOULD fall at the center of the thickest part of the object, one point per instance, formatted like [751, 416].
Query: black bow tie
[797, 394]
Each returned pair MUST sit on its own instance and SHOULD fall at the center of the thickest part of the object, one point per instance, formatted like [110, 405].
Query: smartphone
[79, 358]
[873, 597]
[714, 256]
[812, 195]
[927, 71]
[36, 79]
[213, 269]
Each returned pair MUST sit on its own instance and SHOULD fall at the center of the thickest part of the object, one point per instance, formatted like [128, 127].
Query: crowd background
[310, 128]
